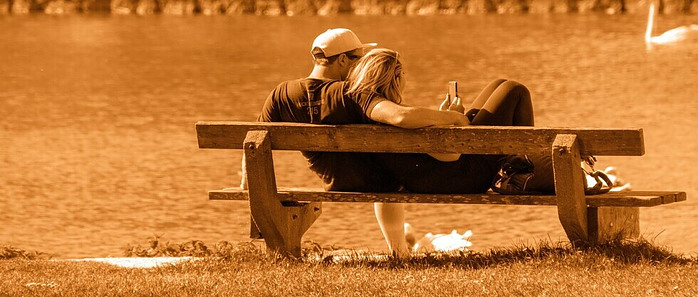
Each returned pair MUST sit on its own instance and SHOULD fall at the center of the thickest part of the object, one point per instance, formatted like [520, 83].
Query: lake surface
[98, 148]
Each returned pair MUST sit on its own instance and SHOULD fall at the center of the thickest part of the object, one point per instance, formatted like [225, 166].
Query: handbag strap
[603, 182]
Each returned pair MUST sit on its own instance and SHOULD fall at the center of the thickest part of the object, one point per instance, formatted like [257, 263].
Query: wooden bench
[283, 215]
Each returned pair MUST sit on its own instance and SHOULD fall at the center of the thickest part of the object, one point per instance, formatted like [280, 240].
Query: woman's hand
[455, 105]
[452, 105]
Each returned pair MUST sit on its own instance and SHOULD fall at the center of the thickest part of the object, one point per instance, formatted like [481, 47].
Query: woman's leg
[508, 103]
[391, 219]
[502, 103]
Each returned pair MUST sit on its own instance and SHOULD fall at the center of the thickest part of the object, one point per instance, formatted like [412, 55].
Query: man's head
[338, 50]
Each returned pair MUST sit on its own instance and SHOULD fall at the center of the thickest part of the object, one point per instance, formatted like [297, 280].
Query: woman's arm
[390, 113]
[409, 117]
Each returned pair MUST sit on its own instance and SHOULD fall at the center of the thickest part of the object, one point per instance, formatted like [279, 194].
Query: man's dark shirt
[318, 101]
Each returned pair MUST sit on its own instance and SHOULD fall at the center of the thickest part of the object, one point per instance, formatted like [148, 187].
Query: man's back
[315, 101]
[319, 101]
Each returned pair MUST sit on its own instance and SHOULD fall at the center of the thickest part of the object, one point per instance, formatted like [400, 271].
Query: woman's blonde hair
[379, 72]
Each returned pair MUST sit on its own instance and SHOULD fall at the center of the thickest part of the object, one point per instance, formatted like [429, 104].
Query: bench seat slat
[620, 199]
[382, 138]
[666, 196]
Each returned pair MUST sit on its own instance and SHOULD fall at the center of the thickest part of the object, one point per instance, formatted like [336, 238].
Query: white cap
[337, 41]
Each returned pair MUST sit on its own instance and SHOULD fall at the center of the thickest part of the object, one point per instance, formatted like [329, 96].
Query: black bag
[524, 174]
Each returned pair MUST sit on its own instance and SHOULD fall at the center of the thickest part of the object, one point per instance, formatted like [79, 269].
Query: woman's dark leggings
[509, 103]
[501, 103]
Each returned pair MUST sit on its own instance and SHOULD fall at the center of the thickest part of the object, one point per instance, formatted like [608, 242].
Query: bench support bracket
[281, 226]
[613, 223]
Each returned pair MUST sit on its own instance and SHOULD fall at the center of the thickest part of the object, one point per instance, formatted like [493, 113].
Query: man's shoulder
[291, 82]
[288, 89]
[334, 86]
[330, 89]
[313, 83]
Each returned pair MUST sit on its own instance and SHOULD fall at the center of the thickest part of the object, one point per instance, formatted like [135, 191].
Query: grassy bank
[635, 268]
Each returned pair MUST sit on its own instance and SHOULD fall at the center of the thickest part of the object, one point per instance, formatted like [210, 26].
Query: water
[98, 148]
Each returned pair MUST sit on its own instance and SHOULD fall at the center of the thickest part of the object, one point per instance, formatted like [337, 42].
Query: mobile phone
[452, 91]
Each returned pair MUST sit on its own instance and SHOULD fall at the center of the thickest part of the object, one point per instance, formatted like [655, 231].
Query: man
[319, 99]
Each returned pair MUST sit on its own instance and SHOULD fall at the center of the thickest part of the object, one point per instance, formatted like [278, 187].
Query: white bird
[453, 241]
[671, 36]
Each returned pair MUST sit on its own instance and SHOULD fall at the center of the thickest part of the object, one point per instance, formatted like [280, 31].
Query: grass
[156, 247]
[12, 252]
[622, 269]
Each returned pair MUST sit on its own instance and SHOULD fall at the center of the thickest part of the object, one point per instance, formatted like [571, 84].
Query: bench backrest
[381, 138]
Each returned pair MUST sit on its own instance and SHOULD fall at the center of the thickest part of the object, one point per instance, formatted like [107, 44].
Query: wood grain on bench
[381, 138]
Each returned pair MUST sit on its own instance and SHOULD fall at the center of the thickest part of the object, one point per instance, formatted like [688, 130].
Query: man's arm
[269, 113]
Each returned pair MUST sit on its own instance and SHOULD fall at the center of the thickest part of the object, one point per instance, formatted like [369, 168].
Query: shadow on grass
[621, 252]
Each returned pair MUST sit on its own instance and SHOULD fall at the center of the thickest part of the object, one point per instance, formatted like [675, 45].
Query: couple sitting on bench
[352, 84]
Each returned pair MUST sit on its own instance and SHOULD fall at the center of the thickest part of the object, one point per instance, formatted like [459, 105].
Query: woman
[372, 95]
[378, 80]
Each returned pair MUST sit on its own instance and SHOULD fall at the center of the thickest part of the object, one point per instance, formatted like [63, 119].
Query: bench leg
[586, 225]
[613, 223]
[281, 226]
[569, 188]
